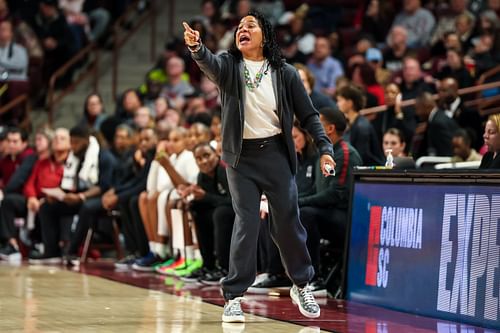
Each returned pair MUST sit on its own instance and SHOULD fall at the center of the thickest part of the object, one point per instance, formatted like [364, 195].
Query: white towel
[89, 172]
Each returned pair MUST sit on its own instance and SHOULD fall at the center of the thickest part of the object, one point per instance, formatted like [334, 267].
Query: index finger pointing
[187, 27]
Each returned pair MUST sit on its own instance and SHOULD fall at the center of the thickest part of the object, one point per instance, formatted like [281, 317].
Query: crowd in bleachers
[157, 155]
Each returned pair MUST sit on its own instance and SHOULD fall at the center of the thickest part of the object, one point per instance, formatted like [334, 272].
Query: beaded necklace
[254, 84]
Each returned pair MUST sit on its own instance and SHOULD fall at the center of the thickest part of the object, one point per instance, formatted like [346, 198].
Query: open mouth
[244, 39]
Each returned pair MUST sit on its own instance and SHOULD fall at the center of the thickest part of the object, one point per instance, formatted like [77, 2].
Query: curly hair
[271, 49]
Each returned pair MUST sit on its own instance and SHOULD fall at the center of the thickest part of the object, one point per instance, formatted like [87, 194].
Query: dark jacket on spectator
[21, 175]
[334, 191]
[440, 130]
[362, 136]
[136, 184]
[216, 188]
[8, 165]
[488, 162]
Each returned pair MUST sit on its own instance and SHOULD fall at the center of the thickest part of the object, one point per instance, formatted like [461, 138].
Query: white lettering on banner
[473, 219]
[401, 227]
[390, 227]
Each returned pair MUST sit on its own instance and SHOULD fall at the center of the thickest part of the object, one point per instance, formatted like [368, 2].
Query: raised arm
[214, 67]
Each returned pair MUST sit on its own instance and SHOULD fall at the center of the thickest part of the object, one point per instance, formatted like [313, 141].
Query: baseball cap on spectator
[373, 54]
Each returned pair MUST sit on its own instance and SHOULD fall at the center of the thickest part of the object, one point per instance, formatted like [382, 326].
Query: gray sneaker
[232, 311]
[304, 298]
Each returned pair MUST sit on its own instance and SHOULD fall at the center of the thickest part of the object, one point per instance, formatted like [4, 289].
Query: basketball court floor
[98, 298]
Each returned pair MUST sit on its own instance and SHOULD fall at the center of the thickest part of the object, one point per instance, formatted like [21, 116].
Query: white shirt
[453, 108]
[185, 164]
[261, 118]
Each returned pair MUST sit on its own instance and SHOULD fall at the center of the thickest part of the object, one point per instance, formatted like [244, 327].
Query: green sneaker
[189, 268]
[169, 262]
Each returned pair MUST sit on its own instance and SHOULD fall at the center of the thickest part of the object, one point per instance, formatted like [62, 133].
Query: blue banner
[427, 249]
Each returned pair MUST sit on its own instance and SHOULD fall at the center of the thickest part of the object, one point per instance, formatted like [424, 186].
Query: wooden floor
[51, 299]
[98, 298]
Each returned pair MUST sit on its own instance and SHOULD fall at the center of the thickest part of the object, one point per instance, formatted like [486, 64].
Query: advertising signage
[427, 249]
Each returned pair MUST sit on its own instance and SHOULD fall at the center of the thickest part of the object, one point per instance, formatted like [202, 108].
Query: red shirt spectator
[47, 173]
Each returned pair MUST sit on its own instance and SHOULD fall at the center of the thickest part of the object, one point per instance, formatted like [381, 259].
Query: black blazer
[439, 134]
[488, 162]
[291, 97]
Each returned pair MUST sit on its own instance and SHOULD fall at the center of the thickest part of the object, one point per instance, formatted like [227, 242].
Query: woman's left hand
[327, 165]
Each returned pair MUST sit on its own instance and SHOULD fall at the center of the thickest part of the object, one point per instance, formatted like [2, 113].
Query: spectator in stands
[123, 149]
[453, 105]
[440, 127]
[13, 73]
[57, 40]
[462, 150]
[212, 213]
[176, 87]
[455, 68]
[374, 58]
[197, 133]
[413, 81]
[377, 19]
[318, 99]
[86, 23]
[46, 173]
[123, 197]
[295, 21]
[210, 92]
[17, 151]
[486, 42]
[143, 118]
[395, 116]
[128, 104]
[88, 172]
[160, 108]
[360, 133]
[491, 160]
[363, 76]
[324, 67]
[23, 34]
[93, 113]
[395, 141]
[324, 213]
[397, 43]
[464, 28]
[446, 21]
[418, 21]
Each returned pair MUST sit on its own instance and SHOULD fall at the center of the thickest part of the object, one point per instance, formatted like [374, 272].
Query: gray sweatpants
[264, 168]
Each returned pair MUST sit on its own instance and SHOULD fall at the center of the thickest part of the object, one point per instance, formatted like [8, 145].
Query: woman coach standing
[260, 95]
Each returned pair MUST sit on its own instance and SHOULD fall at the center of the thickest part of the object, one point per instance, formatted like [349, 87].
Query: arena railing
[485, 105]
[91, 68]
[20, 101]
[121, 35]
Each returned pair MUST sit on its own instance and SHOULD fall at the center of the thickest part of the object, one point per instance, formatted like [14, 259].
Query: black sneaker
[318, 288]
[214, 277]
[37, 258]
[195, 276]
[273, 281]
[126, 262]
[10, 253]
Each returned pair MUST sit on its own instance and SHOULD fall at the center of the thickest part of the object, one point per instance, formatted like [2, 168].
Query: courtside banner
[427, 249]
